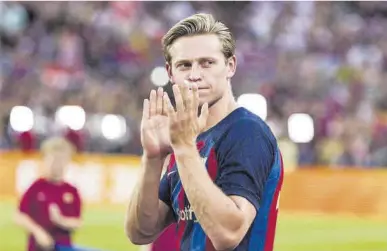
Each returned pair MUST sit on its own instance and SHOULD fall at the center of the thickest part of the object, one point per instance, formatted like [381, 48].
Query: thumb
[203, 116]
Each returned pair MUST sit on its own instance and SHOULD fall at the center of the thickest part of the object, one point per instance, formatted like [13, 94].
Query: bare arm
[225, 219]
[27, 223]
[42, 237]
[146, 215]
[69, 223]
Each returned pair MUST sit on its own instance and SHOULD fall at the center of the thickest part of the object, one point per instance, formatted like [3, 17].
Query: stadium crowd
[326, 59]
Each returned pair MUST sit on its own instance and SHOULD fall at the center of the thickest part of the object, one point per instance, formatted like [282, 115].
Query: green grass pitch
[103, 229]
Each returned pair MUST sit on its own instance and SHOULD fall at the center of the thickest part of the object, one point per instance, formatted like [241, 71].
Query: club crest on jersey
[68, 198]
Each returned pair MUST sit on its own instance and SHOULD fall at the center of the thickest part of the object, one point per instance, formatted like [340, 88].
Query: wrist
[184, 149]
[152, 160]
[152, 167]
[38, 231]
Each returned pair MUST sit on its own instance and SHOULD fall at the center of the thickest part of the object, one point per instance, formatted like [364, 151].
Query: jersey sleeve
[164, 191]
[27, 198]
[245, 159]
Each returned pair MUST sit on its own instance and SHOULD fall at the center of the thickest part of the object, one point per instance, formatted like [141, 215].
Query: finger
[190, 102]
[178, 99]
[184, 88]
[203, 116]
[165, 104]
[195, 98]
[168, 107]
[152, 101]
[159, 101]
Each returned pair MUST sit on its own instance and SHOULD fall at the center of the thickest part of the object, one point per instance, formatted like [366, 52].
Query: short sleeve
[27, 199]
[164, 191]
[245, 158]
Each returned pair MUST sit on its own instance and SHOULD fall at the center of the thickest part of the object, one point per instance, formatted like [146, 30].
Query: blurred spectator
[26, 141]
[328, 60]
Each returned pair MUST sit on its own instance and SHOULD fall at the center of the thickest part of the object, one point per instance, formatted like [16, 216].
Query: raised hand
[184, 123]
[154, 127]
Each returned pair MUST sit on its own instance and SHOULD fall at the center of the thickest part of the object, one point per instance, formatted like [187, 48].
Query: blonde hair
[56, 144]
[199, 24]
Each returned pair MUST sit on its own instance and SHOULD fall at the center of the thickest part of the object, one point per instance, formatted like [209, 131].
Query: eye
[184, 66]
[207, 63]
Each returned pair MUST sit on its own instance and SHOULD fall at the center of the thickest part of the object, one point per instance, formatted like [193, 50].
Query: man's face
[55, 164]
[199, 59]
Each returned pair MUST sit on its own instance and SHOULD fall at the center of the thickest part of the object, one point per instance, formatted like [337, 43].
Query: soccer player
[225, 172]
[50, 209]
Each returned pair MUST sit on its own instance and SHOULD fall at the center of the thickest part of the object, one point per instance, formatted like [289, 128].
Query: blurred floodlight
[159, 76]
[300, 128]
[256, 103]
[21, 119]
[72, 116]
[113, 126]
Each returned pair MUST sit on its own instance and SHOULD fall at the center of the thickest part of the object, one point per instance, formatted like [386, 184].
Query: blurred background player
[50, 209]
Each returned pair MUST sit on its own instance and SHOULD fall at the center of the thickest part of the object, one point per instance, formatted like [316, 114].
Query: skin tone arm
[68, 223]
[146, 215]
[28, 224]
[224, 219]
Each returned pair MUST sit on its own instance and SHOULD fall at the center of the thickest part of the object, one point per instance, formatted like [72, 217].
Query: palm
[155, 126]
[154, 135]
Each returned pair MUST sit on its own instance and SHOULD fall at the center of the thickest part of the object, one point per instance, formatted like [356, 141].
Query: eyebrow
[196, 59]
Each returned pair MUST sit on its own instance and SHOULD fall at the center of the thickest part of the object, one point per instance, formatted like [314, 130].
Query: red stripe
[200, 145]
[209, 246]
[212, 169]
[269, 243]
[212, 164]
[172, 162]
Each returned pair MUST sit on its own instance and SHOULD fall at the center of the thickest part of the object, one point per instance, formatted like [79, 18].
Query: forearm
[216, 212]
[142, 212]
[69, 223]
[27, 223]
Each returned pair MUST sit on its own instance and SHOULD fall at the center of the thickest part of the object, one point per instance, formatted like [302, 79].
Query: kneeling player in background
[50, 209]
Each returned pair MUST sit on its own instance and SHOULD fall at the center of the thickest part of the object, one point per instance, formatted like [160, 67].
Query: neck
[223, 107]
[53, 180]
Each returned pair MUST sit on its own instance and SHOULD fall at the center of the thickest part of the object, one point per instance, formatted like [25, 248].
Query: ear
[231, 66]
[169, 70]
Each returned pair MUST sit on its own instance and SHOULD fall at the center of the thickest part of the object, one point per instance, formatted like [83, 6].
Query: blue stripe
[198, 239]
[175, 197]
[260, 225]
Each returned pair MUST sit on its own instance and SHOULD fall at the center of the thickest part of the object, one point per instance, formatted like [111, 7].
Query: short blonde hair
[199, 24]
[57, 144]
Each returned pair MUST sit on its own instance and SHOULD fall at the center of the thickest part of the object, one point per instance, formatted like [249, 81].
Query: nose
[194, 74]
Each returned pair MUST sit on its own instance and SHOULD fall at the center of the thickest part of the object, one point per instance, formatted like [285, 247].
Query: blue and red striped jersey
[243, 159]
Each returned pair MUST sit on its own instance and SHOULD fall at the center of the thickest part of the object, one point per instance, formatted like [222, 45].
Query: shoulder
[35, 187]
[70, 187]
[249, 125]
[37, 184]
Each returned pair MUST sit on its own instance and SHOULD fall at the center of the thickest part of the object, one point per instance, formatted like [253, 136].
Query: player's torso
[47, 194]
[191, 236]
